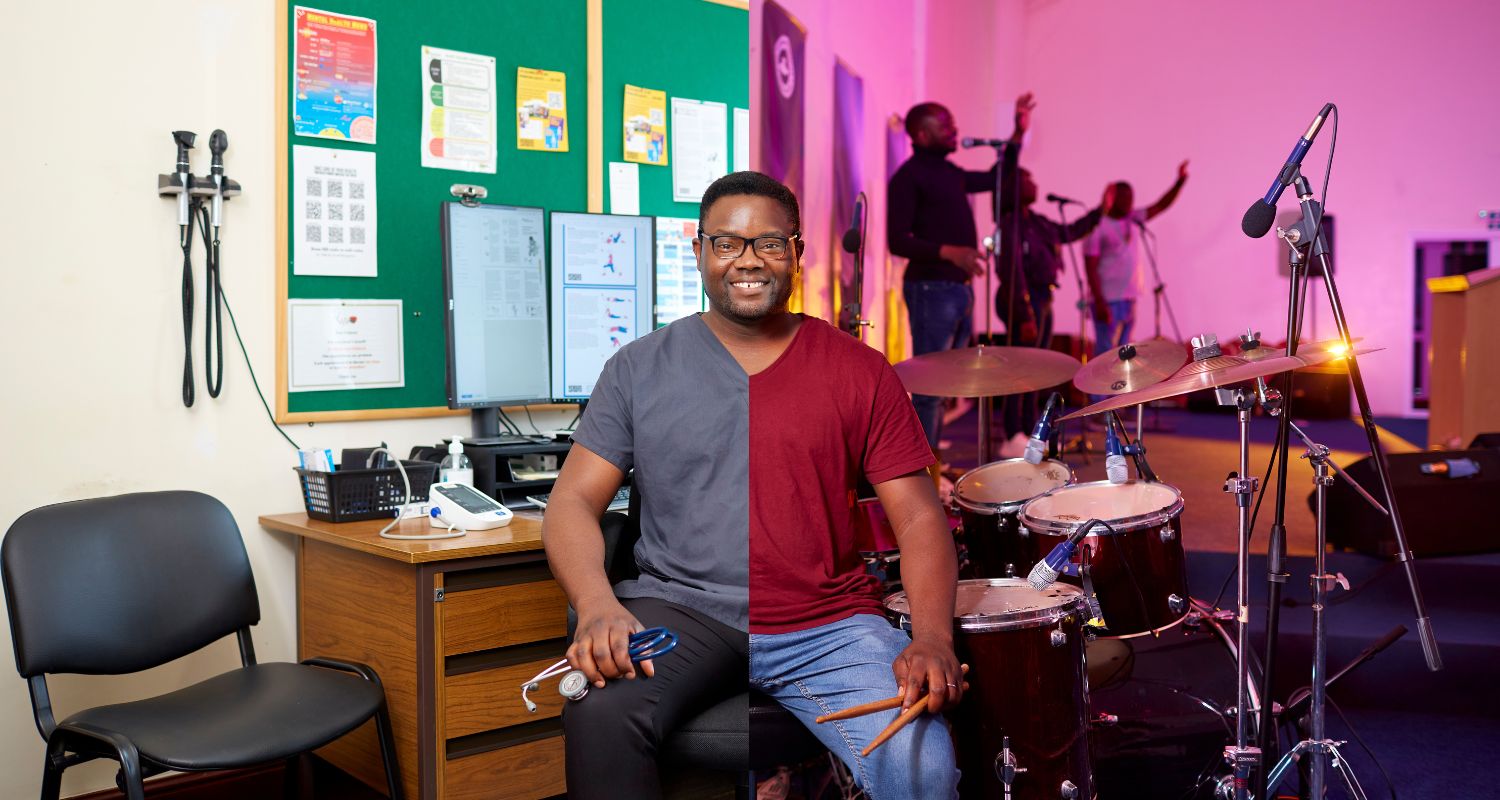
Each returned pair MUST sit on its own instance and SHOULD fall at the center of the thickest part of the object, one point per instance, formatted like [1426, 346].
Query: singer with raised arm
[930, 222]
[1111, 257]
[1038, 269]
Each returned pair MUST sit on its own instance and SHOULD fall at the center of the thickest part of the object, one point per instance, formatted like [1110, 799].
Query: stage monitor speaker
[1443, 515]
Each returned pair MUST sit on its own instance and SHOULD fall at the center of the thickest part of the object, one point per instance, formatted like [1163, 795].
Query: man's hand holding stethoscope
[607, 644]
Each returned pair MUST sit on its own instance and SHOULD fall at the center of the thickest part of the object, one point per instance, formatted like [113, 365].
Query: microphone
[969, 141]
[1045, 572]
[1114, 458]
[853, 237]
[1057, 198]
[218, 142]
[1261, 215]
[1036, 449]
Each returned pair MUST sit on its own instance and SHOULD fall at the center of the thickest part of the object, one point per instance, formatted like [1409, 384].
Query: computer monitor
[679, 286]
[495, 287]
[602, 275]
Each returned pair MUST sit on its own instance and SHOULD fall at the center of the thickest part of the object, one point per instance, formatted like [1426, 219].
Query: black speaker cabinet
[1442, 515]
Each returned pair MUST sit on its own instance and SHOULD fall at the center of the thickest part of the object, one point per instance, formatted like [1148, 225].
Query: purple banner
[781, 90]
[848, 178]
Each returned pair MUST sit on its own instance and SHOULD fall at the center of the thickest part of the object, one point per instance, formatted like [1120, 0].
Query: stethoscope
[644, 646]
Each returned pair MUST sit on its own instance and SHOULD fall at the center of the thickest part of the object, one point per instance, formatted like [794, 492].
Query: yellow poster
[645, 126]
[541, 110]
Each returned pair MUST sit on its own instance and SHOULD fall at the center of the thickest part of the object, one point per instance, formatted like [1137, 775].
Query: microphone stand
[1159, 299]
[1003, 149]
[854, 311]
[1081, 445]
[1300, 239]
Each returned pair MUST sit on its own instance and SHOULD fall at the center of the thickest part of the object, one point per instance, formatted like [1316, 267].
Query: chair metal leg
[131, 781]
[297, 780]
[52, 769]
[388, 752]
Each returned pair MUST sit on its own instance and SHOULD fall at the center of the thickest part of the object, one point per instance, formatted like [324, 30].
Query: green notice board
[551, 36]
[686, 48]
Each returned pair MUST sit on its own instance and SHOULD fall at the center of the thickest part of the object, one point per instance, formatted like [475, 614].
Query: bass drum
[988, 500]
[1025, 652]
[1139, 570]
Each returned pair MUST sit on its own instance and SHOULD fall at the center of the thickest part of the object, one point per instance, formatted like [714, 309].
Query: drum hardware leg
[1318, 746]
[1005, 766]
[1242, 756]
[1090, 597]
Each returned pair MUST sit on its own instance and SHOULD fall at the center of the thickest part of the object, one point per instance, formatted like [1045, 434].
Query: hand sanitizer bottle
[456, 467]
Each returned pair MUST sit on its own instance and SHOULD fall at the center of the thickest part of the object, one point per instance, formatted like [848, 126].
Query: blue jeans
[1117, 332]
[942, 318]
[844, 664]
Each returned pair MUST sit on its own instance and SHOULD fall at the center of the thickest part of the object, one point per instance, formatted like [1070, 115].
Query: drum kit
[1023, 730]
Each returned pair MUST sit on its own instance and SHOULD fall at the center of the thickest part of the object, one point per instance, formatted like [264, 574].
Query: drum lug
[1069, 791]
[1059, 638]
[1176, 603]
[1005, 765]
[1168, 533]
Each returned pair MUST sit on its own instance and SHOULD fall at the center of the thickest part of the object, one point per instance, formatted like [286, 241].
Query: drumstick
[861, 710]
[900, 722]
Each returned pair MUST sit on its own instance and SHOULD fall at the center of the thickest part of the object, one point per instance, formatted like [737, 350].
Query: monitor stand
[485, 430]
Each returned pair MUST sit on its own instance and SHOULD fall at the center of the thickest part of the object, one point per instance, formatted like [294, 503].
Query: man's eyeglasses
[727, 246]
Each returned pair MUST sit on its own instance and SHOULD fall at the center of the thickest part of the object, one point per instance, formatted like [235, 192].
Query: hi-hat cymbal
[1327, 345]
[986, 371]
[1131, 368]
[1232, 369]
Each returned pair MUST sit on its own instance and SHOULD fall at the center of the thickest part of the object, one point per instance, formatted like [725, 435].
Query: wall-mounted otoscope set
[200, 202]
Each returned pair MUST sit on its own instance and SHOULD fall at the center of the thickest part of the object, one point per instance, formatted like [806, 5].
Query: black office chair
[121, 584]
[720, 737]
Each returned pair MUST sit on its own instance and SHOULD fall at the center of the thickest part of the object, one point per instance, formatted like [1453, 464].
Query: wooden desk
[453, 627]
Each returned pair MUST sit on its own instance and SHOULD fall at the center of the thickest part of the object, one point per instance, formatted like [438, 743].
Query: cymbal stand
[1243, 756]
[1318, 746]
[1006, 159]
[1159, 300]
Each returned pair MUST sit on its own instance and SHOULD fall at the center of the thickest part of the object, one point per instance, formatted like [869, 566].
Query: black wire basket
[351, 495]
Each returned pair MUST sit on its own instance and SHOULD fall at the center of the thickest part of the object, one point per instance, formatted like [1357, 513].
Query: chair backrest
[121, 584]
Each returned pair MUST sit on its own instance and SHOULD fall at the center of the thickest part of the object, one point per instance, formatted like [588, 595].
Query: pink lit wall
[887, 43]
[1127, 90]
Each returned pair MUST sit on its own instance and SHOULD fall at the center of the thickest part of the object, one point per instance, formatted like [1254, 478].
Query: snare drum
[988, 499]
[1139, 571]
[1025, 652]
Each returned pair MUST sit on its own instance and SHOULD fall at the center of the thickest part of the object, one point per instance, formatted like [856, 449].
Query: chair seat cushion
[747, 725]
[252, 715]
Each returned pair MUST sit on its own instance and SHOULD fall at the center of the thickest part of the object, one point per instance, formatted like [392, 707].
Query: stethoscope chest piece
[573, 685]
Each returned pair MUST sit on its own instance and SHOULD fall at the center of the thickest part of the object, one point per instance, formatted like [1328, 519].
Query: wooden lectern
[1465, 358]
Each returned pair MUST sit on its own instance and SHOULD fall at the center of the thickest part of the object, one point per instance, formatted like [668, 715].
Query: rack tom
[1027, 683]
[989, 499]
[1138, 571]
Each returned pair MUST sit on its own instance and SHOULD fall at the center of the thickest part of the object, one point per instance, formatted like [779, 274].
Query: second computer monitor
[602, 293]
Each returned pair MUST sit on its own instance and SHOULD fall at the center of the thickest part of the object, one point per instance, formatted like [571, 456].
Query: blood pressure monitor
[456, 505]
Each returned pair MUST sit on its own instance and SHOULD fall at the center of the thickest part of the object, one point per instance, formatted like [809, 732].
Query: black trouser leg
[613, 733]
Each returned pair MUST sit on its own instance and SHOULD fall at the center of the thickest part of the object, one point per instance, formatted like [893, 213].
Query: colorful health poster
[458, 110]
[333, 80]
[645, 126]
[541, 110]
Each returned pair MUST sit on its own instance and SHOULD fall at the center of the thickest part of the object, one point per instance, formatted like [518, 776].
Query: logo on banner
[786, 68]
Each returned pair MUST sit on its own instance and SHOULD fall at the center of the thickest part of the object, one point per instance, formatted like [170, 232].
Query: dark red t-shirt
[829, 410]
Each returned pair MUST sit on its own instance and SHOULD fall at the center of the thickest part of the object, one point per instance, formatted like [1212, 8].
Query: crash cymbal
[1131, 368]
[1261, 353]
[1191, 379]
[986, 371]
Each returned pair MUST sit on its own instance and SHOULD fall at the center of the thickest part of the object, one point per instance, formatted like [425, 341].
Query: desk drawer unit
[496, 627]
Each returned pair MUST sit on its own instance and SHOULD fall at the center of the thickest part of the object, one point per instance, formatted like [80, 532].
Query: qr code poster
[333, 209]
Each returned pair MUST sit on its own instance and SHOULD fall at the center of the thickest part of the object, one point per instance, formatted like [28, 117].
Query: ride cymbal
[986, 371]
[1131, 368]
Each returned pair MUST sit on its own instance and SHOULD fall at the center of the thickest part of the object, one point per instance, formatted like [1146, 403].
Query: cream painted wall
[91, 343]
